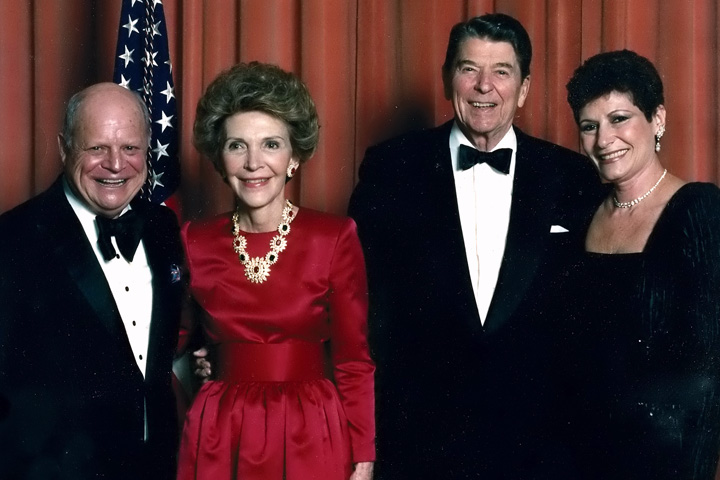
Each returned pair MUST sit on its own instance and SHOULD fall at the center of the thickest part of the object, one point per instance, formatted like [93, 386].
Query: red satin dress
[294, 394]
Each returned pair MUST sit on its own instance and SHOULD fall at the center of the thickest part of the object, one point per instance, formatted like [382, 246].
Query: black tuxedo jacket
[456, 398]
[73, 398]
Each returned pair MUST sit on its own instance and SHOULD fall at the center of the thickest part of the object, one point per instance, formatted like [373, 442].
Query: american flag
[142, 64]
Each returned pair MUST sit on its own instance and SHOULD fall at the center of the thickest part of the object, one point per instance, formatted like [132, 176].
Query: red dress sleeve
[352, 366]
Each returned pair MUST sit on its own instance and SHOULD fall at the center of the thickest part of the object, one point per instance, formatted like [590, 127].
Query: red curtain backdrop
[373, 67]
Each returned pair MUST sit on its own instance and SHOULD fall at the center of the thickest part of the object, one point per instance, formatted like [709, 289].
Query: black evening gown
[640, 350]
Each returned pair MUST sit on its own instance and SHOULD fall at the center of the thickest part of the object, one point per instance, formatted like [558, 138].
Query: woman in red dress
[284, 300]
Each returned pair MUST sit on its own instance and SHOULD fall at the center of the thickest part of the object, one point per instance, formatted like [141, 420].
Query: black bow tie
[127, 230]
[498, 159]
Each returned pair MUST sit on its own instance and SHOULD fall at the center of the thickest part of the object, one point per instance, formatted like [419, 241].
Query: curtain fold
[372, 66]
[328, 51]
[16, 96]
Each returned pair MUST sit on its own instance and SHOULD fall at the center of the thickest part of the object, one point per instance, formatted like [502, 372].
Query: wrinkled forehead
[112, 110]
[500, 51]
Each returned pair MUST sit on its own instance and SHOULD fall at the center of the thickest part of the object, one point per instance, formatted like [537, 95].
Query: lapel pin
[175, 273]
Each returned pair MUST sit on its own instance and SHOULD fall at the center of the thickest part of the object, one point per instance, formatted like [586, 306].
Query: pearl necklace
[257, 269]
[639, 199]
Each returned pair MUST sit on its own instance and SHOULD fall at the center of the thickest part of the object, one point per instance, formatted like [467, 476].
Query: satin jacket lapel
[448, 245]
[165, 265]
[526, 234]
[64, 234]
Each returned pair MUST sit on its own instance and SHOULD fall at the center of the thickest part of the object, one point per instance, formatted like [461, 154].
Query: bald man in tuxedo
[89, 308]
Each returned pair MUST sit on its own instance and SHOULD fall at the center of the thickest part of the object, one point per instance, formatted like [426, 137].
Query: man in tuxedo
[462, 247]
[90, 290]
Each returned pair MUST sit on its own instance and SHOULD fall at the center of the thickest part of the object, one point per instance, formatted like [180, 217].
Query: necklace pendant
[257, 269]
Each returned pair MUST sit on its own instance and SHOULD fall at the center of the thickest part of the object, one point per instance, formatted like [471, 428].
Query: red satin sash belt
[270, 362]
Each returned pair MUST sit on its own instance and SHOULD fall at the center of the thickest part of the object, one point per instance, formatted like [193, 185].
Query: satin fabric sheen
[270, 362]
[288, 420]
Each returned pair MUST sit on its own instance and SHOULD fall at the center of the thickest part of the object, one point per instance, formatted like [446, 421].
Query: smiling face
[105, 163]
[616, 135]
[255, 157]
[486, 88]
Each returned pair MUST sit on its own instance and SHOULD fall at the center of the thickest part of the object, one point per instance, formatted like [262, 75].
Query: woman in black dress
[642, 338]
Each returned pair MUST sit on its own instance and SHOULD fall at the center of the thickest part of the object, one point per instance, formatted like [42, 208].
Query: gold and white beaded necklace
[631, 203]
[257, 269]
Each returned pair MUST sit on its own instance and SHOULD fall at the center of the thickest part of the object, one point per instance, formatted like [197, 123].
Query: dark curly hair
[621, 71]
[258, 87]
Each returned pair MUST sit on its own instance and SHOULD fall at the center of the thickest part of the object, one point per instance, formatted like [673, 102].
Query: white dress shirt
[130, 283]
[484, 197]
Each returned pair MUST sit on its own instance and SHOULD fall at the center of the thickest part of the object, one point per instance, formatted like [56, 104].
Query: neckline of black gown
[689, 188]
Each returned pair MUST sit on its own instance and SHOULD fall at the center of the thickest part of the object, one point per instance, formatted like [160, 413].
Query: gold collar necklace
[257, 269]
[640, 198]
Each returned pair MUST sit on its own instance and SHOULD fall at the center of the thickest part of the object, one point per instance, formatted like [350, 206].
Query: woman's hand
[363, 471]
[201, 365]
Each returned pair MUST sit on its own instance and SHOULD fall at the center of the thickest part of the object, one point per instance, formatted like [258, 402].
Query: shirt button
[134, 323]
[127, 289]
[140, 357]
[117, 255]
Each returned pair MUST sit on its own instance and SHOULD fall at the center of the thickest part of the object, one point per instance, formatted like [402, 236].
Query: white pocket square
[558, 229]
